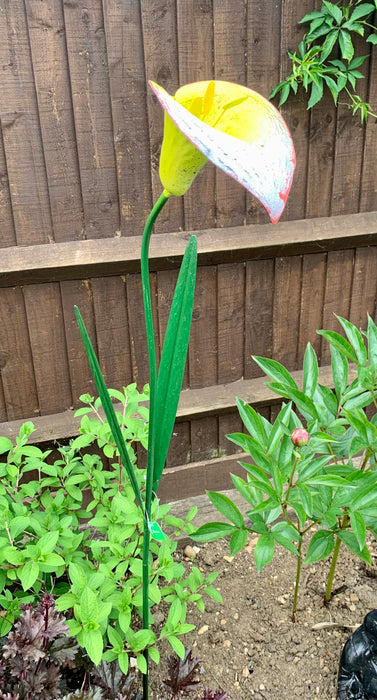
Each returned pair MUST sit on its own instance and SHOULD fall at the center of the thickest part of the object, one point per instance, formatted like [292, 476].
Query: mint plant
[331, 28]
[90, 556]
[317, 484]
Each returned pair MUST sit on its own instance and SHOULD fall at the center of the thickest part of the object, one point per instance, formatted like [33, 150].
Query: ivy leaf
[346, 45]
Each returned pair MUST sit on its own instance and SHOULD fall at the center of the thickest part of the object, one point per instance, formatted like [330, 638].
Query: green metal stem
[152, 410]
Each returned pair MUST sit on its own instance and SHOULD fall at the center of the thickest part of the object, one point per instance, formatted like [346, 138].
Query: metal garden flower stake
[244, 135]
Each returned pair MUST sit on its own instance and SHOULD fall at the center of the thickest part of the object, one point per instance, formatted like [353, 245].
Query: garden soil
[249, 646]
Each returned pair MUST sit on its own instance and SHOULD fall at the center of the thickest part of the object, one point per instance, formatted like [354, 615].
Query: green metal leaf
[108, 406]
[173, 358]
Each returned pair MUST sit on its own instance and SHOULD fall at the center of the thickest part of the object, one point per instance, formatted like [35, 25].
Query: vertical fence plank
[337, 294]
[159, 22]
[312, 295]
[349, 149]
[286, 319]
[139, 351]
[229, 21]
[15, 357]
[262, 66]
[364, 286]
[195, 54]
[230, 350]
[124, 41]
[259, 295]
[50, 68]
[203, 358]
[8, 234]
[294, 111]
[79, 293]
[21, 132]
[321, 151]
[48, 345]
[112, 328]
[368, 194]
[92, 113]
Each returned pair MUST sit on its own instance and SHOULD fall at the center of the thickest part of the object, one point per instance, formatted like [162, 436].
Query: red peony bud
[300, 437]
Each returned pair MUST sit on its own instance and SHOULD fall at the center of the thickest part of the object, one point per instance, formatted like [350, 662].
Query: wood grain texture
[21, 132]
[312, 296]
[368, 193]
[321, 151]
[229, 21]
[138, 338]
[128, 88]
[349, 149]
[337, 294]
[295, 110]
[231, 340]
[259, 296]
[364, 287]
[203, 338]
[112, 330]
[263, 38]
[79, 293]
[86, 44]
[196, 58]
[8, 234]
[46, 30]
[286, 314]
[159, 26]
[82, 259]
[16, 366]
[48, 346]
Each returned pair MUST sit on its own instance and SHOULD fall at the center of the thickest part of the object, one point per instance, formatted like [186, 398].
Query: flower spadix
[235, 128]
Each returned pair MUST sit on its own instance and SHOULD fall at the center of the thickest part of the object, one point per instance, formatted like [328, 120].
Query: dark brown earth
[249, 645]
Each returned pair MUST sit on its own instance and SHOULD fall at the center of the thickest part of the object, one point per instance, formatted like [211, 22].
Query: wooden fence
[79, 147]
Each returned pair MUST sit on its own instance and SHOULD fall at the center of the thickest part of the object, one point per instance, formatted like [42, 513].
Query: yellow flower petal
[235, 128]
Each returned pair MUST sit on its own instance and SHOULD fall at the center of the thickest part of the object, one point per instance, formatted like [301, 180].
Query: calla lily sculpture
[243, 134]
[235, 128]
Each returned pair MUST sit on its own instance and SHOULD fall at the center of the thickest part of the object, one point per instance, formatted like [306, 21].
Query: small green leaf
[177, 646]
[362, 11]
[340, 343]
[320, 546]
[93, 644]
[212, 531]
[225, 506]
[238, 541]
[359, 528]
[310, 371]
[264, 550]
[6, 445]
[346, 45]
[123, 662]
[339, 366]
[350, 540]
[213, 593]
[355, 338]
[275, 371]
[29, 574]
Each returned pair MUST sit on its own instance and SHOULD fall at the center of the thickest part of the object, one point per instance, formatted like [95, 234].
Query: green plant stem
[152, 410]
[297, 582]
[334, 560]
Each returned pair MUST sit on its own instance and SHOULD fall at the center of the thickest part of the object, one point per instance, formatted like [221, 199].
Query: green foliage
[331, 29]
[72, 528]
[326, 490]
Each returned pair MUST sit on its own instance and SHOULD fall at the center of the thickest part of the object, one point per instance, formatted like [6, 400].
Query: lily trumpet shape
[236, 129]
